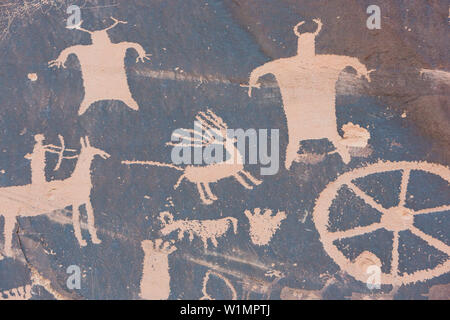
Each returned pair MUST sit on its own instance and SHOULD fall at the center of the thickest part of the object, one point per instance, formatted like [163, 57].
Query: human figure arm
[360, 68]
[142, 55]
[62, 58]
[256, 74]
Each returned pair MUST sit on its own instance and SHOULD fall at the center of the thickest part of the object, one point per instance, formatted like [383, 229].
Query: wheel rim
[389, 220]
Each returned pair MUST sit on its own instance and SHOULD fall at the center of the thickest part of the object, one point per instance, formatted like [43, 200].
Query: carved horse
[32, 200]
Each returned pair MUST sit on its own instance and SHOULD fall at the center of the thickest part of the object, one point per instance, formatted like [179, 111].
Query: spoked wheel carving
[394, 219]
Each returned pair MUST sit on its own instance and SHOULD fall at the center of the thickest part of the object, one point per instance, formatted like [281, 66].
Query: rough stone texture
[201, 52]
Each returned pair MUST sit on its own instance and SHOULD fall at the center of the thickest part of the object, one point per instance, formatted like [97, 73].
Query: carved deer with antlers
[213, 131]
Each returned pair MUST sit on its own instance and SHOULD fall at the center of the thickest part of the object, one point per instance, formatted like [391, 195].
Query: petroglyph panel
[232, 149]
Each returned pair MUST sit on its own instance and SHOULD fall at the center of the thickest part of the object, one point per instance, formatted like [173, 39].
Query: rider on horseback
[38, 158]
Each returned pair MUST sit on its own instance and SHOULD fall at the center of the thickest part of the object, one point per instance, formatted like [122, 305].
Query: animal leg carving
[205, 242]
[202, 194]
[209, 192]
[214, 241]
[250, 177]
[76, 225]
[91, 223]
[242, 181]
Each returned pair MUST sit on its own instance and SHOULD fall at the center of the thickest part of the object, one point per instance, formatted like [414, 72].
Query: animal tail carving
[234, 222]
[153, 163]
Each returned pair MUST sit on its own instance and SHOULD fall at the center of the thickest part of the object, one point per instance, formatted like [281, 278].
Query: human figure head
[39, 138]
[306, 43]
[101, 36]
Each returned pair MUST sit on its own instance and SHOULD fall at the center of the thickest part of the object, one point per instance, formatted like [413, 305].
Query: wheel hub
[397, 219]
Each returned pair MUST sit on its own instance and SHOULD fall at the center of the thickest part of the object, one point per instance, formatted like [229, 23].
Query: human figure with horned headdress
[307, 84]
[103, 67]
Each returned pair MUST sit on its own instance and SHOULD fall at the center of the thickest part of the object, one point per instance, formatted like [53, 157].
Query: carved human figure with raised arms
[103, 67]
[307, 83]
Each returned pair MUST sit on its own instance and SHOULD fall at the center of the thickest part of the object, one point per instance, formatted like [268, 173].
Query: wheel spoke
[438, 244]
[367, 199]
[395, 255]
[431, 210]
[404, 187]
[356, 231]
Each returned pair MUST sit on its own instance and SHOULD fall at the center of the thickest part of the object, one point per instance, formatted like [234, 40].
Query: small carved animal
[204, 229]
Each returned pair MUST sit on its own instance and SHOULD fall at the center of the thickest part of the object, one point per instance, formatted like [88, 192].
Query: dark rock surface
[202, 51]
